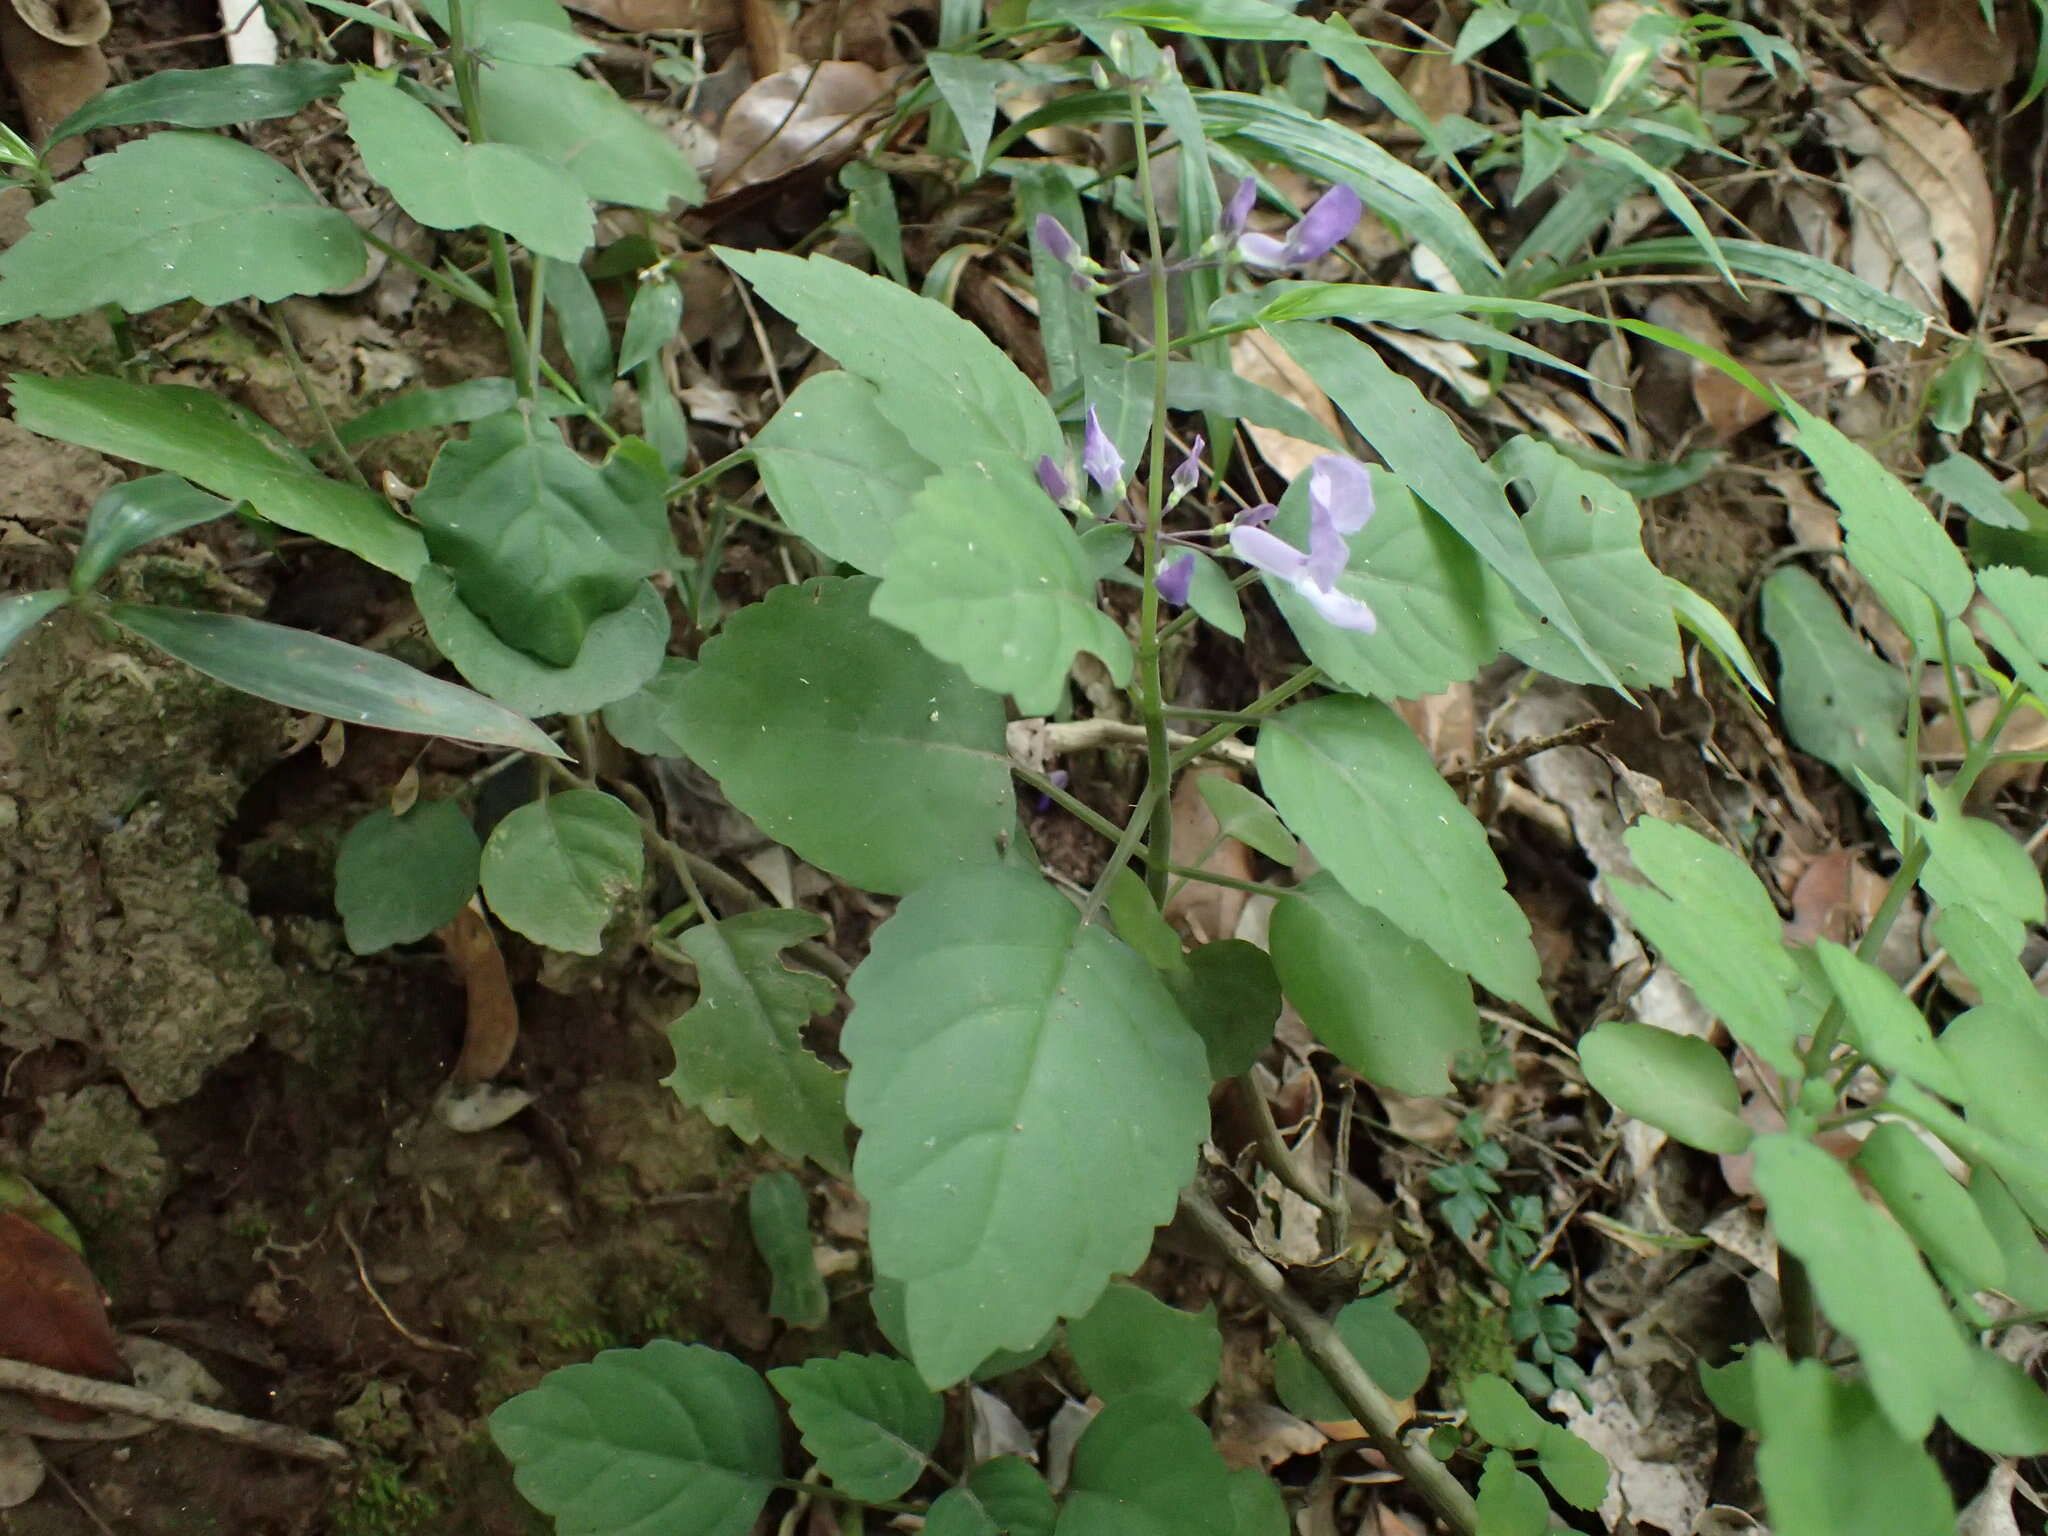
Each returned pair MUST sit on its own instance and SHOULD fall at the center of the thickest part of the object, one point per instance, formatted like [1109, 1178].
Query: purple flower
[1052, 481]
[1316, 235]
[1238, 211]
[1187, 472]
[1099, 457]
[1255, 517]
[1052, 234]
[1340, 503]
[1174, 581]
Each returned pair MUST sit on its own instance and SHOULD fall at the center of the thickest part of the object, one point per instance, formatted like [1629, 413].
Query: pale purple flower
[1186, 473]
[1099, 457]
[1052, 234]
[1052, 481]
[1174, 581]
[1238, 211]
[1255, 517]
[1327, 222]
[1340, 503]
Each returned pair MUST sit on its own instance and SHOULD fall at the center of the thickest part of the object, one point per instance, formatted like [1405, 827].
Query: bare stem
[114, 1397]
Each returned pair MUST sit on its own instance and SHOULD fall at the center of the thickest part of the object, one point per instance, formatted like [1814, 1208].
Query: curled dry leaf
[53, 79]
[1944, 43]
[492, 1031]
[1933, 158]
[796, 117]
[74, 23]
[51, 1311]
[1258, 359]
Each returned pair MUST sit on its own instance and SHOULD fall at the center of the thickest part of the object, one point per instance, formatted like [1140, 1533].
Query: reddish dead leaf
[51, 1311]
[492, 1032]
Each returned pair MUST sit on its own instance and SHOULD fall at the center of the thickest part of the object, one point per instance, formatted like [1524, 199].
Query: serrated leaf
[446, 183]
[918, 782]
[192, 433]
[1715, 925]
[1679, 1084]
[541, 541]
[839, 474]
[1146, 1467]
[1003, 1055]
[137, 512]
[1935, 1210]
[1380, 998]
[1883, 1022]
[207, 98]
[1131, 1341]
[621, 650]
[1231, 995]
[612, 152]
[22, 612]
[1892, 540]
[1362, 792]
[670, 1438]
[1243, 815]
[868, 1420]
[988, 575]
[779, 1217]
[1442, 615]
[556, 869]
[326, 677]
[1510, 1502]
[1004, 1495]
[636, 720]
[1868, 1279]
[943, 384]
[740, 1055]
[1423, 447]
[170, 217]
[398, 878]
[1588, 534]
[1829, 1462]
[1384, 1342]
[1839, 701]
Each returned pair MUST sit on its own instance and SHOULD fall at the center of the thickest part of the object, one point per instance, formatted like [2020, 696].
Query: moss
[381, 1499]
[1468, 1336]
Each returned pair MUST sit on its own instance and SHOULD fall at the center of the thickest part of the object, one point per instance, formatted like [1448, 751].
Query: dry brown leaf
[1260, 360]
[73, 23]
[662, 15]
[491, 1033]
[1933, 158]
[795, 117]
[1205, 912]
[51, 1311]
[1944, 43]
[52, 79]
[2026, 731]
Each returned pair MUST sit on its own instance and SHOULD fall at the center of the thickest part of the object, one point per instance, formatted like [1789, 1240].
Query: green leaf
[1829, 1462]
[1442, 615]
[1510, 1503]
[1731, 1389]
[192, 433]
[1572, 1467]
[942, 383]
[541, 541]
[1423, 447]
[1883, 1022]
[1498, 1414]
[957, 1512]
[456, 405]
[1243, 815]
[556, 869]
[22, 612]
[839, 474]
[1679, 1084]
[1935, 1210]
[1977, 864]
[207, 98]
[1146, 1467]
[1131, 1341]
[740, 1053]
[580, 321]
[325, 677]
[1840, 702]
[2003, 1412]
[918, 781]
[134, 513]
[1716, 926]
[2000, 1056]
[871, 209]
[779, 1217]
[867, 1420]
[1892, 540]
[1212, 596]
[612, 152]
[988, 575]
[1961, 481]
[1711, 628]
[1003, 1056]
[525, 42]
[1365, 796]
[1138, 923]
[651, 322]
[637, 721]
[968, 85]
[1980, 950]
[448, 184]
[1231, 995]
[1014, 1496]
[669, 1437]
[1384, 1341]
[369, 18]
[620, 651]
[1393, 1011]
[398, 878]
[1197, 387]
[169, 217]
[1869, 1280]
[1588, 534]
[1668, 192]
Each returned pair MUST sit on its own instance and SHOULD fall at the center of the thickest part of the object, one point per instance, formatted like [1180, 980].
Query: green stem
[826, 1491]
[1263, 705]
[464, 290]
[1151, 689]
[1110, 832]
[304, 380]
[709, 472]
[505, 298]
[1126, 845]
[1274, 1151]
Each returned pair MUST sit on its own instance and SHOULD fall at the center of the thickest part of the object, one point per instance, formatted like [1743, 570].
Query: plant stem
[1126, 845]
[826, 1491]
[1274, 1152]
[1264, 704]
[1430, 1478]
[1151, 682]
[709, 472]
[506, 296]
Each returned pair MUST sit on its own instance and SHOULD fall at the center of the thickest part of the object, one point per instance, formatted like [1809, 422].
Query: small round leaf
[556, 869]
[398, 878]
[1679, 1084]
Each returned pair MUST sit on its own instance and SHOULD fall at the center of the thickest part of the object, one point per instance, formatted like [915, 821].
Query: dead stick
[113, 1397]
[1373, 1409]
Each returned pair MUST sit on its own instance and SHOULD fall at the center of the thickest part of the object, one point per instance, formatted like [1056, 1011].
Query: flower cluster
[1339, 505]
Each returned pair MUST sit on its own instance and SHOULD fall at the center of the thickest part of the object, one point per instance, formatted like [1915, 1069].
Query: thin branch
[114, 1397]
